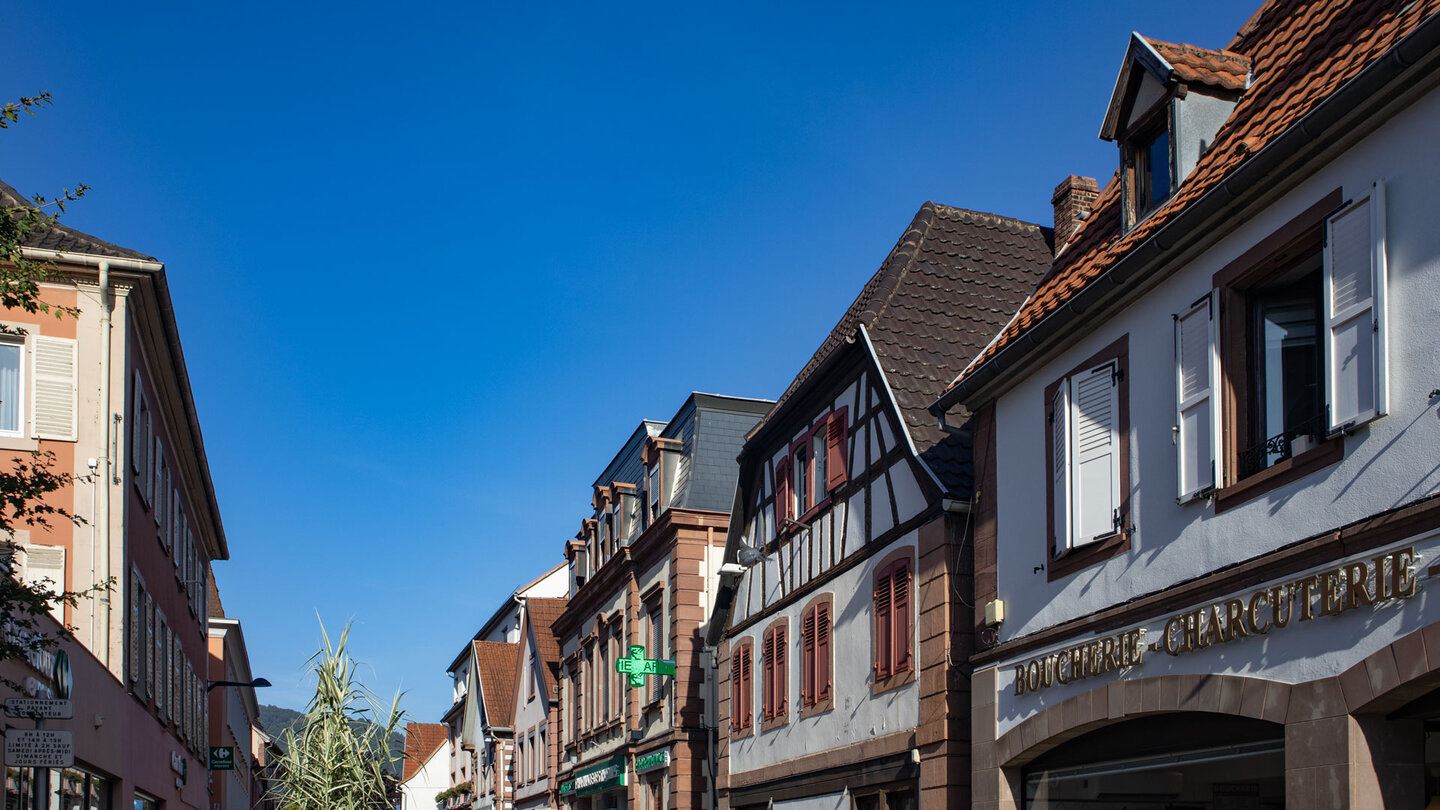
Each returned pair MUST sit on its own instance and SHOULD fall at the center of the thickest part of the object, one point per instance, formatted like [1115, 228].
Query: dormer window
[1169, 103]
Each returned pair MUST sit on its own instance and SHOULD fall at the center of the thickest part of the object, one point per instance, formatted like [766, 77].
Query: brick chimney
[1073, 199]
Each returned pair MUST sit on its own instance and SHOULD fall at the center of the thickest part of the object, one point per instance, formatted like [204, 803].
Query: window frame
[791, 504]
[23, 391]
[1098, 550]
[888, 674]
[1135, 160]
[816, 699]
[775, 674]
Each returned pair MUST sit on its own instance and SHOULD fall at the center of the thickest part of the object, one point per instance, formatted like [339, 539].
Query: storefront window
[1191, 761]
[69, 789]
[143, 802]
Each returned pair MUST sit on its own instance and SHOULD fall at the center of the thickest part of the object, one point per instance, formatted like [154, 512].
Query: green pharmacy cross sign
[637, 666]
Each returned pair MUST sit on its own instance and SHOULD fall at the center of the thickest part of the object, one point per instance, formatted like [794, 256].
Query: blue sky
[431, 270]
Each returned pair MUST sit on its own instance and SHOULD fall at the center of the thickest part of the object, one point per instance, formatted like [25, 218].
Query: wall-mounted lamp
[255, 684]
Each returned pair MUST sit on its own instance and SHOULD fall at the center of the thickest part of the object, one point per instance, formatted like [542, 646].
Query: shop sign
[222, 757]
[39, 708]
[652, 761]
[596, 778]
[38, 748]
[1331, 592]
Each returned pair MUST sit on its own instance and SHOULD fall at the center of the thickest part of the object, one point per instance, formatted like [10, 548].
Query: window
[652, 490]
[1309, 358]
[577, 694]
[815, 661]
[893, 622]
[1087, 452]
[741, 687]
[140, 447]
[818, 463]
[776, 675]
[543, 765]
[617, 523]
[162, 663]
[137, 630]
[1147, 164]
[11, 388]
[152, 647]
[657, 648]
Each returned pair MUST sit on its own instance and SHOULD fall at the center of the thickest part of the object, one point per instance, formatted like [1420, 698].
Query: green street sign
[637, 666]
[222, 757]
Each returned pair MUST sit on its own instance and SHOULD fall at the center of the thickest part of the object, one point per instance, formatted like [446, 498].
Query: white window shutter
[55, 389]
[46, 564]
[1095, 451]
[1354, 291]
[1060, 472]
[1194, 400]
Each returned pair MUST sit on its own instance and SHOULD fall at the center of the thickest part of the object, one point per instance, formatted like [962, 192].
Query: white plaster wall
[1388, 462]
[434, 776]
[856, 716]
[1300, 652]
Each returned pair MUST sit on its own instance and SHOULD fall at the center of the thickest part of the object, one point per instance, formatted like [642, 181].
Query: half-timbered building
[1212, 516]
[842, 616]
[641, 569]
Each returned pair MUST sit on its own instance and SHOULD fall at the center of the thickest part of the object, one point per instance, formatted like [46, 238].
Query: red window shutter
[807, 658]
[747, 686]
[883, 624]
[782, 675]
[736, 710]
[767, 675]
[822, 651]
[782, 494]
[901, 606]
[837, 448]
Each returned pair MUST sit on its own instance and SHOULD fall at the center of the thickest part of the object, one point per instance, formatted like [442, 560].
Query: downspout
[102, 510]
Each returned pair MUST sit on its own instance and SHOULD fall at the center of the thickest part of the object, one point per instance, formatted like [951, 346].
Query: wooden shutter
[136, 622]
[883, 623]
[55, 389]
[137, 439]
[782, 494]
[807, 658]
[45, 565]
[1060, 469]
[1356, 367]
[822, 651]
[736, 710]
[782, 674]
[1095, 450]
[837, 448]
[901, 607]
[1194, 400]
[147, 655]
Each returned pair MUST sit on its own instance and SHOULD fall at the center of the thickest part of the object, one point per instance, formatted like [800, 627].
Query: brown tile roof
[495, 663]
[422, 740]
[64, 238]
[951, 282]
[543, 613]
[1190, 64]
[1301, 51]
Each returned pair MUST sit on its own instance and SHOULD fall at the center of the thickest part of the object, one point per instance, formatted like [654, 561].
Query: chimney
[1073, 199]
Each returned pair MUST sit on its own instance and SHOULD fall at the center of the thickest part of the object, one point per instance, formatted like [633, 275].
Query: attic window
[1151, 171]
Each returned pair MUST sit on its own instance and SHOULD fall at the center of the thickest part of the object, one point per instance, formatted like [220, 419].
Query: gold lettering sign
[1328, 593]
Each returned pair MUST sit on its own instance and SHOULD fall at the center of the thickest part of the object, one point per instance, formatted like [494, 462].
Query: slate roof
[422, 740]
[949, 285]
[64, 238]
[495, 663]
[1300, 51]
[543, 613]
[1224, 69]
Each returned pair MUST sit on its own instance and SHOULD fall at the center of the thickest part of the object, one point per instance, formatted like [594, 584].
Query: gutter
[1303, 139]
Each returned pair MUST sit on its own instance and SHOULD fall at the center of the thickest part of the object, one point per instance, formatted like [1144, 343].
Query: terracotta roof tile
[495, 663]
[1300, 52]
[1225, 69]
[543, 613]
[422, 740]
[950, 283]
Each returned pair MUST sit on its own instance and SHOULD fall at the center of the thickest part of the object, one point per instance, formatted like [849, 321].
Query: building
[425, 773]
[106, 391]
[641, 571]
[233, 713]
[1205, 531]
[850, 534]
[537, 705]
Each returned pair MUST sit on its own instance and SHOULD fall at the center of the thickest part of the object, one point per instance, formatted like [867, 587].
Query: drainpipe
[102, 511]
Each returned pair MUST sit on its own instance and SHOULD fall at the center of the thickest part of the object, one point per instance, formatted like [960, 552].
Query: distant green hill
[276, 719]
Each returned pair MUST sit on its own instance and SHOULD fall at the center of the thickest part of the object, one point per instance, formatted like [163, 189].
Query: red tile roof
[495, 663]
[1190, 64]
[543, 613]
[1301, 51]
[422, 740]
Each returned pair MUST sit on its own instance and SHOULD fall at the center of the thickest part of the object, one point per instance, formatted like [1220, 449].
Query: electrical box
[994, 612]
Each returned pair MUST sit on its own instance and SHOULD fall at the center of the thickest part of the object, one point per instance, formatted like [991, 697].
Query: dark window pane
[1157, 161]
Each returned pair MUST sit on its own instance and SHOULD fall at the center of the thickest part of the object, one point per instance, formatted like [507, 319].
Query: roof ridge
[905, 251]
